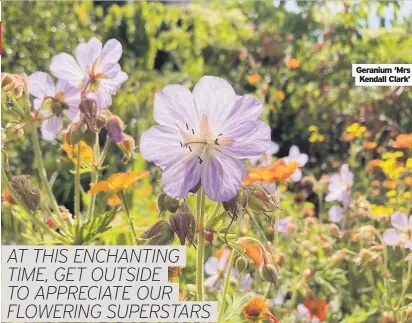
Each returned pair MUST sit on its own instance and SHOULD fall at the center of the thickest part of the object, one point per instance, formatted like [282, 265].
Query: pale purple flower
[402, 234]
[204, 136]
[296, 156]
[46, 93]
[266, 158]
[95, 69]
[283, 226]
[335, 213]
[278, 300]
[340, 186]
[216, 269]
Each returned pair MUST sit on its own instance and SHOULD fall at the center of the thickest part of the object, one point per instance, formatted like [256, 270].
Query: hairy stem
[129, 218]
[95, 175]
[200, 247]
[41, 169]
[226, 285]
[77, 186]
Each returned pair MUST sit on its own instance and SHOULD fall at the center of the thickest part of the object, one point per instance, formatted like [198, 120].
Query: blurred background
[294, 56]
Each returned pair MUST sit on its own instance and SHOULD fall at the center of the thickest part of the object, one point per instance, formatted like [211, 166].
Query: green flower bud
[89, 138]
[183, 223]
[241, 264]
[259, 199]
[159, 234]
[167, 203]
[268, 272]
[237, 204]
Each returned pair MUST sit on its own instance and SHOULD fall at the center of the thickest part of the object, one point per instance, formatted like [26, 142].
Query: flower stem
[95, 175]
[77, 185]
[126, 209]
[226, 285]
[405, 284]
[42, 170]
[200, 246]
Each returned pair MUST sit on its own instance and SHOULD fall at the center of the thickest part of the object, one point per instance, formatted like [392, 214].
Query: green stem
[104, 152]
[41, 169]
[405, 284]
[95, 175]
[77, 186]
[126, 209]
[226, 285]
[200, 247]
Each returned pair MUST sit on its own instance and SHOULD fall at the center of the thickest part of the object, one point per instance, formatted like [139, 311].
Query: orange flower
[390, 184]
[292, 63]
[369, 145]
[117, 182]
[114, 200]
[257, 309]
[280, 95]
[408, 181]
[403, 141]
[318, 308]
[6, 198]
[279, 170]
[254, 78]
[253, 251]
[86, 152]
[220, 252]
[349, 136]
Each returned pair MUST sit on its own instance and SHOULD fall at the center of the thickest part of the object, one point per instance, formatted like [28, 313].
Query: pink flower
[53, 101]
[204, 137]
[296, 156]
[95, 69]
[402, 234]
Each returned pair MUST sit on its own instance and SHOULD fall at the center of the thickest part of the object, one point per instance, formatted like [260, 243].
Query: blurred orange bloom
[349, 136]
[253, 251]
[257, 309]
[373, 164]
[114, 200]
[220, 252]
[292, 63]
[390, 184]
[408, 181]
[369, 145]
[117, 182]
[254, 78]
[280, 95]
[6, 198]
[86, 152]
[279, 170]
[318, 308]
[403, 141]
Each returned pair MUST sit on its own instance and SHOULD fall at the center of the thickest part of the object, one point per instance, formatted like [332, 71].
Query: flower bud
[88, 108]
[29, 194]
[115, 127]
[183, 223]
[327, 247]
[236, 204]
[14, 131]
[259, 199]
[58, 107]
[167, 203]
[268, 273]
[12, 84]
[7, 82]
[72, 135]
[89, 138]
[241, 264]
[307, 274]
[127, 146]
[159, 234]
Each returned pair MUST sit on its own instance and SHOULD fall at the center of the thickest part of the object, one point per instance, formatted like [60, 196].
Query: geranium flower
[402, 234]
[117, 182]
[257, 309]
[403, 141]
[340, 186]
[95, 69]
[313, 310]
[296, 156]
[283, 226]
[204, 137]
[52, 102]
[216, 268]
[266, 158]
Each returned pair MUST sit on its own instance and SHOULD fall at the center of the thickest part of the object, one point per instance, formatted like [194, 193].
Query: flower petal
[211, 281]
[211, 266]
[252, 145]
[72, 98]
[214, 96]
[246, 108]
[102, 186]
[64, 66]
[223, 261]
[335, 213]
[392, 237]
[408, 244]
[220, 177]
[297, 175]
[41, 84]
[111, 53]
[50, 127]
[87, 53]
[346, 174]
[175, 103]
[400, 221]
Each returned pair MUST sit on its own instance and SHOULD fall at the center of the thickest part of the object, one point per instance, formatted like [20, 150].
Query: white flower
[296, 156]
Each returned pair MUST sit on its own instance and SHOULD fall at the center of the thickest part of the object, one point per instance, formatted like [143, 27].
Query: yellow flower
[356, 130]
[280, 95]
[117, 182]
[391, 193]
[313, 128]
[379, 210]
[409, 163]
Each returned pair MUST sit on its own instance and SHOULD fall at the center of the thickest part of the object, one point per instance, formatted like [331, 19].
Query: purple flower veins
[402, 232]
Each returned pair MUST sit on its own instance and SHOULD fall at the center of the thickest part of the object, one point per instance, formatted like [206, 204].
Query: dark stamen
[221, 134]
[216, 143]
[181, 144]
[193, 131]
[190, 148]
[187, 127]
[200, 160]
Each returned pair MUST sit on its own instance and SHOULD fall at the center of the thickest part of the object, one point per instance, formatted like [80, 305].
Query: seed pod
[259, 199]
[237, 204]
[29, 194]
[88, 108]
[159, 234]
[241, 264]
[72, 134]
[167, 203]
[58, 107]
[89, 138]
[268, 272]
[127, 145]
[183, 223]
